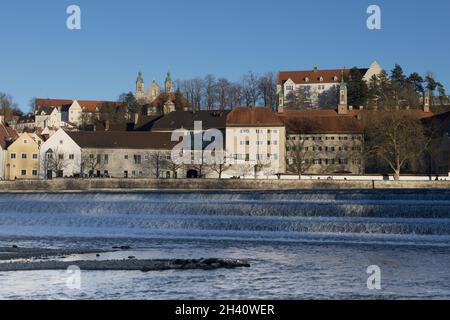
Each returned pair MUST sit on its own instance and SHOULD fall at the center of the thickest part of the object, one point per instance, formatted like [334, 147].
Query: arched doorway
[192, 174]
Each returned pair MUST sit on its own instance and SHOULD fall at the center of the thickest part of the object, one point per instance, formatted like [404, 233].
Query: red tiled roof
[253, 116]
[87, 105]
[314, 76]
[329, 121]
[7, 136]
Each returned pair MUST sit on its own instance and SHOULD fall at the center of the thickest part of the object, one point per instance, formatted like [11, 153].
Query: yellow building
[22, 159]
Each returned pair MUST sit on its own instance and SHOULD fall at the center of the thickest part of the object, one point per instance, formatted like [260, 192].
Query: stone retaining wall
[208, 184]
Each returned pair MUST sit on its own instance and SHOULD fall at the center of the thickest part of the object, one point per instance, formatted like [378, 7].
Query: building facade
[22, 162]
[315, 82]
[7, 136]
[60, 157]
[255, 143]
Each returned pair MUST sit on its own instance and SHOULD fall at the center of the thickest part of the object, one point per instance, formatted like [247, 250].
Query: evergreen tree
[397, 75]
[357, 89]
[416, 81]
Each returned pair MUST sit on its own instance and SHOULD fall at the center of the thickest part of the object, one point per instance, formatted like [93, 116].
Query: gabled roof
[7, 136]
[253, 117]
[185, 119]
[314, 76]
[87, 105]
[122, 140]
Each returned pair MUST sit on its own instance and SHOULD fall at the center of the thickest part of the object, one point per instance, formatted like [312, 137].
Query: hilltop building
[316, 82]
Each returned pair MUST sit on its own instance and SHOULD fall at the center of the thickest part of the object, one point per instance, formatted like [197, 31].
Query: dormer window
[306, 79]
[335, 78]
[320, 79]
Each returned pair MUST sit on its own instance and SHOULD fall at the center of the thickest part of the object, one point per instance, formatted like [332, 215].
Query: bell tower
[426, 101]
[140, 86]
[168, 84]
[343, 102]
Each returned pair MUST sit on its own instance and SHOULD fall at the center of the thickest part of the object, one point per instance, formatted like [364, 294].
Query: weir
[360, 215]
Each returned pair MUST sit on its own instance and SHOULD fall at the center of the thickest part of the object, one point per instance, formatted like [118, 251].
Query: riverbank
[209, 184]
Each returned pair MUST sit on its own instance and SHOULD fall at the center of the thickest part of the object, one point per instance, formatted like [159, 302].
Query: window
[106, 159]
[61, 142]
[245, 131]
[23, 172]
[24, 156]
[35, 156]
[71, 156]
[60, 156]
[289, 87]
[125, 157]
[35, 173]
[137, 159]
[13, 156]
[25, 141]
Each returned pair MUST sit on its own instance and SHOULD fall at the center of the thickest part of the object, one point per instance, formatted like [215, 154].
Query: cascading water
[358, 216]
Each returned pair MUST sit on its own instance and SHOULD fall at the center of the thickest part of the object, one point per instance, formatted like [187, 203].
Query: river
[301, 244]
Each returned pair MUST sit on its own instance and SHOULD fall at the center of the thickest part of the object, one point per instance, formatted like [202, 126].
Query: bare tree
[251, 93]
[261, 165]
[244, 169]
[54, 162]
[8, 108]
[210, 92]
[267, 89]
[221, 166]
[299, 157]
[90, 163]
[158, 161]
[223, 93]
[236, 96]
[299, 98]
[395, 138]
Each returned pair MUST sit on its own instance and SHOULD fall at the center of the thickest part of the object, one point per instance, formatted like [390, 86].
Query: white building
[255, 143]
[316, 81]
[60, 156]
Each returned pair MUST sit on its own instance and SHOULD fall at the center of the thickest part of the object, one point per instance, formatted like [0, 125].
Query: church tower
[426, 101]
[343, 102]
[140, 86]
[168, 84]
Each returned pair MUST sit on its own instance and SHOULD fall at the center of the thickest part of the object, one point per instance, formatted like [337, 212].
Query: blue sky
[40, 57]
